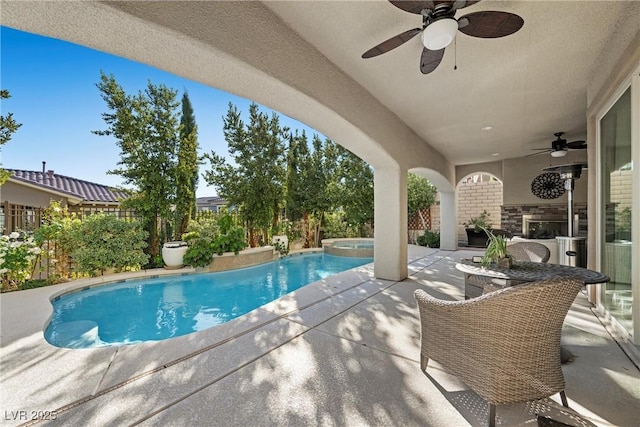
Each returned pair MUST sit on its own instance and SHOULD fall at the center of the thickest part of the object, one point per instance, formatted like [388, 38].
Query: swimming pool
[165, 307]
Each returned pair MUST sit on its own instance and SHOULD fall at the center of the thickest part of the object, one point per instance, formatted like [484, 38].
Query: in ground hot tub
[358, 248]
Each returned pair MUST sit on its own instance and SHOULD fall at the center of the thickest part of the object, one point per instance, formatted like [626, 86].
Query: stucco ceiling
[303, 58]
[526, 86]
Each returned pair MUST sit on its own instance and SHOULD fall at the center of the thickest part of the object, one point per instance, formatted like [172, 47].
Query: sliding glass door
[618, 147]
[616, 184]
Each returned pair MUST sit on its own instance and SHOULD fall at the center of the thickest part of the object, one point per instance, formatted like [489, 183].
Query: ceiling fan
[560, 146]
[439, 28]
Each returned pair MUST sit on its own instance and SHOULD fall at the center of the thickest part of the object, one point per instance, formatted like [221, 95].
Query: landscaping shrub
[205, 226]
[336, 226]
[201, 232]
[102, 242]
[200, 251]
[18, 255]
[55, 238]
[231, 237]
[430, 238]
[211, 234]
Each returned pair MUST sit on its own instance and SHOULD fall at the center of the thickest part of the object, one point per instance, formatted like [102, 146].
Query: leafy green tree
[146, 129]
[7, 127]
[256, 182]
[322, 179]
[356, 190]
[187, 168]
[421, 194]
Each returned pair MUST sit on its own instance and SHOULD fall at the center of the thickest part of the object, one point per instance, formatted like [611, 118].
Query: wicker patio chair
[529, 251]
[504, 345]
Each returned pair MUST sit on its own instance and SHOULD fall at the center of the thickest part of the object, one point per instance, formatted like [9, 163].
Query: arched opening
[479, 198]
[443, 213]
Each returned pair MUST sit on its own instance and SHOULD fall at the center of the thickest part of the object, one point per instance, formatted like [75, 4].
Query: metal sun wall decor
[548, 185]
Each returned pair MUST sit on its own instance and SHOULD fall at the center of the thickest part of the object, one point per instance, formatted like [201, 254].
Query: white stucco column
[448, 221]
[390, 247]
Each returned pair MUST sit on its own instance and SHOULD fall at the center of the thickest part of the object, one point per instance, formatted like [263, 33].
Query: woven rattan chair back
[504, 345]
[529, 251]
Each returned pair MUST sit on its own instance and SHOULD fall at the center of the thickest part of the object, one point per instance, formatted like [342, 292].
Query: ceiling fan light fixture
[559, 153]
[439, 34]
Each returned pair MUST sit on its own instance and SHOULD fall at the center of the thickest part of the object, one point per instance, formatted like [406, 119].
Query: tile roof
[207, 200]
[88, 191]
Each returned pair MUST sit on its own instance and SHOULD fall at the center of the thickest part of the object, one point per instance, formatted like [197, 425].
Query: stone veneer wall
[474, 196]
[512, 216]
[245, 258]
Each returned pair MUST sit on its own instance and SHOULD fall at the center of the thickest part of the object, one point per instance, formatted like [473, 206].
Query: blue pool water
[160, 308]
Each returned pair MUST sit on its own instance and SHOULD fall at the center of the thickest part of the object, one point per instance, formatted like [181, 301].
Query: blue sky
[54, 95]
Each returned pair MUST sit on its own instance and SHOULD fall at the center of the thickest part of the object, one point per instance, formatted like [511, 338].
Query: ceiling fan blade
[544, 150]
[461, 4]
[413, 6]
[491, 24]
[392, 43]
[430, 60]
[577, 145]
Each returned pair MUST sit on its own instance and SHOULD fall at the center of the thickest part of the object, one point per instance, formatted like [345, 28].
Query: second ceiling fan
[439, 28]
[560, 146]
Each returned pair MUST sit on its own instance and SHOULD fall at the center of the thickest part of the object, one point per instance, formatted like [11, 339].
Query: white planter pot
[173, 253]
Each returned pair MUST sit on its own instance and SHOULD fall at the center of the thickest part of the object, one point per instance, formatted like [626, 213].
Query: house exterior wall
[519, 173]
[22, 195]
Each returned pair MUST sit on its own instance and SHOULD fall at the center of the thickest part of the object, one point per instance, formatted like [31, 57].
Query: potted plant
[475, 228]
[496, 251]
[173, 254]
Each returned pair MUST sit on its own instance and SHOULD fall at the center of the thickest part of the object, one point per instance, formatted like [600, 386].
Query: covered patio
[485, 107]
[344, 351]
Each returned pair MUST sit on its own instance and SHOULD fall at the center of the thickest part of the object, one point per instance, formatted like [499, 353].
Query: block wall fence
[476, 194]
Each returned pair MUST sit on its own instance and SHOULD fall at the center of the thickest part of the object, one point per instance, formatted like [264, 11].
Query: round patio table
[527, 271]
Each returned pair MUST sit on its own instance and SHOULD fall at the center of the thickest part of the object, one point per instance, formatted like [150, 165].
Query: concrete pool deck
[342, 351]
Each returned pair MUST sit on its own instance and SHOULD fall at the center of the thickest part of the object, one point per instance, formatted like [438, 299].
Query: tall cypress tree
[355, 189]
[187, 168]
[298, 165]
